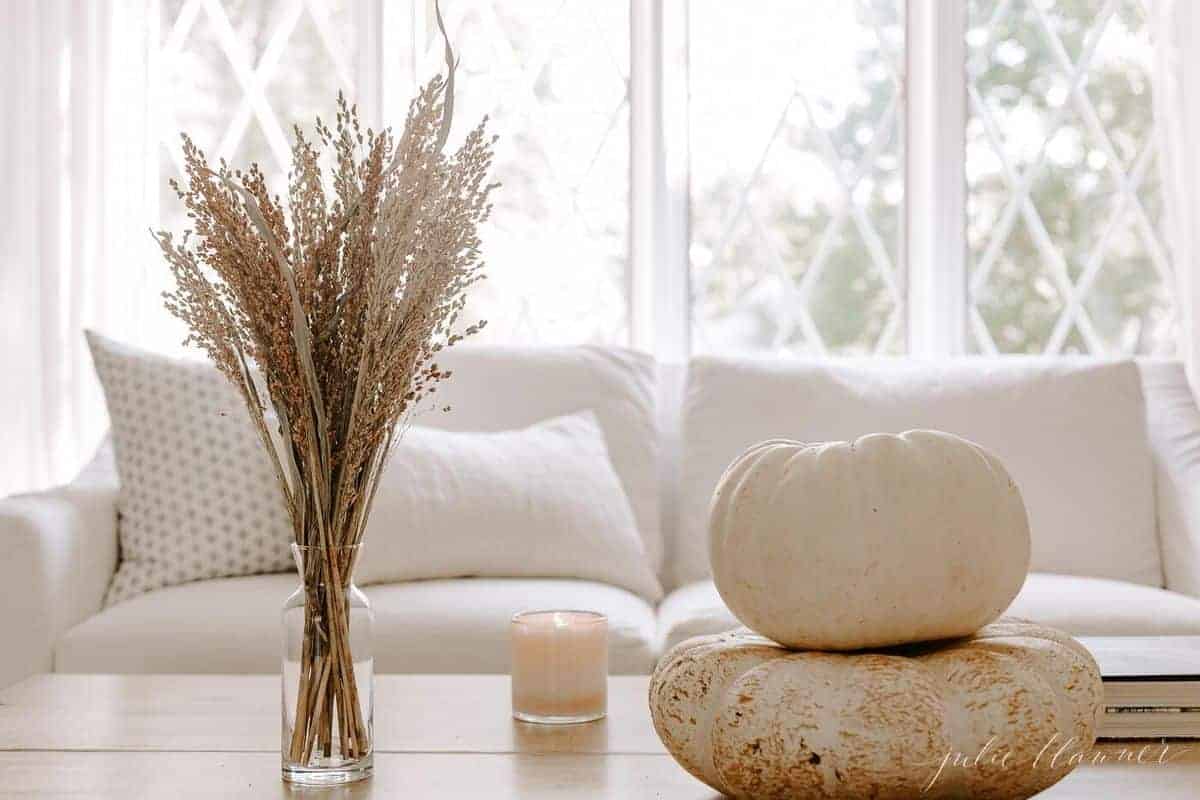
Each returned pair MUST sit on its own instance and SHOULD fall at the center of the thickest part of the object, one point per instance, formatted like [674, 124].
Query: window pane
[295, 58]
[796, 175]
[236, 76]
[554, 78]
[1063, 208]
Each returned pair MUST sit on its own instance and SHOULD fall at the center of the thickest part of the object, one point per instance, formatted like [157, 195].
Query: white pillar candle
[559, 666]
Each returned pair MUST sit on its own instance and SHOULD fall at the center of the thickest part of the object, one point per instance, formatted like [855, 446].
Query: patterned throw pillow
[198, 496]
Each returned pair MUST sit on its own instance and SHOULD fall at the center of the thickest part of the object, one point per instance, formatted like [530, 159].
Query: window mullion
[368, 61]
[645, 148]
[673, 269]
[935, 82]
[647, 239]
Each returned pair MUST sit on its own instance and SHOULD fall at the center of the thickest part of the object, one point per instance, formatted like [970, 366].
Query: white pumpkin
[1001, 715]
[886, 540]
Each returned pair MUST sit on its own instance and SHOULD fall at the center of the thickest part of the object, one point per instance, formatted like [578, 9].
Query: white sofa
[1106, 454]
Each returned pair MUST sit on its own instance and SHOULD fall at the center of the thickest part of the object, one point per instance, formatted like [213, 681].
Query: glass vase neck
[320, 564]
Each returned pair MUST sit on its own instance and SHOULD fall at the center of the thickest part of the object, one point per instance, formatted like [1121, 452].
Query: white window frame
[933, 265]
[934, 280]
[660, 270]
[935, 229]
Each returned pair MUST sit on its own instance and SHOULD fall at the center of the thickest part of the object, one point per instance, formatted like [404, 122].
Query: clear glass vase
[328, 671]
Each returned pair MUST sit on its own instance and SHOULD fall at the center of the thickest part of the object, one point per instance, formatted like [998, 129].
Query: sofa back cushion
[198, 497]
[1071, 432]
[503, 388]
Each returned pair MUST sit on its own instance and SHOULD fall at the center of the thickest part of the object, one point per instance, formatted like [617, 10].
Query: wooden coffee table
[446, 736]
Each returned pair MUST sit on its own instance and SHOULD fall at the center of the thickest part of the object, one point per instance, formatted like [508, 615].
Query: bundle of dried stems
[341, 300]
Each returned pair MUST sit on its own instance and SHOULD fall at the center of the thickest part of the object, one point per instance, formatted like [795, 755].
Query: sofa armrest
[60, 551]
[1173, 425]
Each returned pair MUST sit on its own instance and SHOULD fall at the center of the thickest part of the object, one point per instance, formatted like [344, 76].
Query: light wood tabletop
[446, 736]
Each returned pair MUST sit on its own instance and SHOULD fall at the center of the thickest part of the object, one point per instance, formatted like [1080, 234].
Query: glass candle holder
[559, 666]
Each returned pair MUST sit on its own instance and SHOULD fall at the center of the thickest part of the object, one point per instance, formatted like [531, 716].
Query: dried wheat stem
[337, 306]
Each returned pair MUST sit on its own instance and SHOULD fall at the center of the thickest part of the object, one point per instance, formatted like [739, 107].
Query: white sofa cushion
[541, 501]
[502, 388]
[231, 625]
[693, 610]
[1101, 607]
[462, 625]
[1078, 605]
[223, 625]
[1083, 466]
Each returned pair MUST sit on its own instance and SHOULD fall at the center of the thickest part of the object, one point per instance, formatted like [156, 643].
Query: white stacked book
[1151, 685]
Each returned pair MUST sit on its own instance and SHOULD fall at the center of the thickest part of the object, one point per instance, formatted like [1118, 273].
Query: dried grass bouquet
[327, 313]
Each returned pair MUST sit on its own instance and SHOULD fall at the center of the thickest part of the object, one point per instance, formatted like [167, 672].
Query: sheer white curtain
[73, 241]
[1176, 29]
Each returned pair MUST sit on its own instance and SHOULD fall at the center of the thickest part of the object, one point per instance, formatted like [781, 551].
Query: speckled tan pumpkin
[998, 715]
[886, 540]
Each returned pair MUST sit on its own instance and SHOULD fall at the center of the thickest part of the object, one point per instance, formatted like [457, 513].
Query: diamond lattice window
[552, 75]
[238, 74]
[1065, 251]
[554, 78]
[795, 159]
[796, 176]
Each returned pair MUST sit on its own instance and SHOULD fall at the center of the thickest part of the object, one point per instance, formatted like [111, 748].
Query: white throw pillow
[198, 497]
[500, 388]
[541, 501]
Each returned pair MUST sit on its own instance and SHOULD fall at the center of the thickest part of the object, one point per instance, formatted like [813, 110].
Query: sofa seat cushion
[225, 625]
[1103, 607]
[231, 625]
[462, 625]
[693, 610]
[1079, 606]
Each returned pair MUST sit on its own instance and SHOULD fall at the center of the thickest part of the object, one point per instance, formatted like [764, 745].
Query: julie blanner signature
[1058, 752]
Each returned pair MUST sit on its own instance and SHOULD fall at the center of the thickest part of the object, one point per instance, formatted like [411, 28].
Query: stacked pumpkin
[871, 575]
